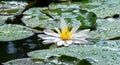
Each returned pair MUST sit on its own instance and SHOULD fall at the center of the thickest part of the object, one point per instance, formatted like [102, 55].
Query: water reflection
[19, 49]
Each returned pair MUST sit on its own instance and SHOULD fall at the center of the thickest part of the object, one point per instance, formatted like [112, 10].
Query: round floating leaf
[63, 60]
[102, 8]
[25, 61]
[107, 10]
[11, 7]
[14, 32]
[51, 18]
[94, 54]
[106, 29]
[65, 5]
[74, 17]
[35, 18]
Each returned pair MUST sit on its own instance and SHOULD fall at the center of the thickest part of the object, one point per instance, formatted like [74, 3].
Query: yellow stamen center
[65, 34]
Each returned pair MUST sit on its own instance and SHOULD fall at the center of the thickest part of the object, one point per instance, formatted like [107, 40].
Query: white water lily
[65, 36]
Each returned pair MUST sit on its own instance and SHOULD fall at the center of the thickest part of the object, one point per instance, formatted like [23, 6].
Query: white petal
[65, 44]
[63, 24]
[52, 33]
[80, 41]
[43, 36]
[57, 39]
[58, 31]
[59, 43]
[69, 41]
[74, 29]
[81, 34]
[48, 41]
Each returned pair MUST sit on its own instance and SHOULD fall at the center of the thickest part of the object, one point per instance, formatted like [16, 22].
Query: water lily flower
[65, 36]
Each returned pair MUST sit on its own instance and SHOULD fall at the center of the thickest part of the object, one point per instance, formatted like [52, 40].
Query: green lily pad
[106, 29]
[11, 7]
[3, 19]
[63, 60]
[109, 43]
[25, 61]
[51, 18]
[94, 54]
[35, 18]
[106, 51]
[65, 5]
[102, 8]
[74, 17]
[14, 32]
[107, 10]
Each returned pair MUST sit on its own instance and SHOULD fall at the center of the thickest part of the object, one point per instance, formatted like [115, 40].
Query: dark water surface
[19, 49]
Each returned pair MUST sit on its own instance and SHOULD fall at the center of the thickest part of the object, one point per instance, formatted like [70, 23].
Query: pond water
[20, 48]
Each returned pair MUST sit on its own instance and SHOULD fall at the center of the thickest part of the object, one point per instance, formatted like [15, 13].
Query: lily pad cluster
[102, 8]
[104, 35]
[45, 18]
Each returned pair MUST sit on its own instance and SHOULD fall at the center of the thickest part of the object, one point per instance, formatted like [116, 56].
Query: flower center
[65, 34]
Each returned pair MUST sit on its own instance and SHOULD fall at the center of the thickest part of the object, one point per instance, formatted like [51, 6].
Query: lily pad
[35, 18]
[102, 8]
[25, 61]
[50, 18]
[74, 17]
[14, 32]
[94, 54]
[11, 7]
[109, 43]
[106, 29]
[64, 60]
[107, 10]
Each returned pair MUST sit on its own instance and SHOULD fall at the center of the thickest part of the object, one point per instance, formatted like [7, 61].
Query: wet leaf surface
[94, 54]
[104, 36]
[45, 18]
[50, 61]
[106, 29]
[14, 32]
[11, 7]
[102, 8]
